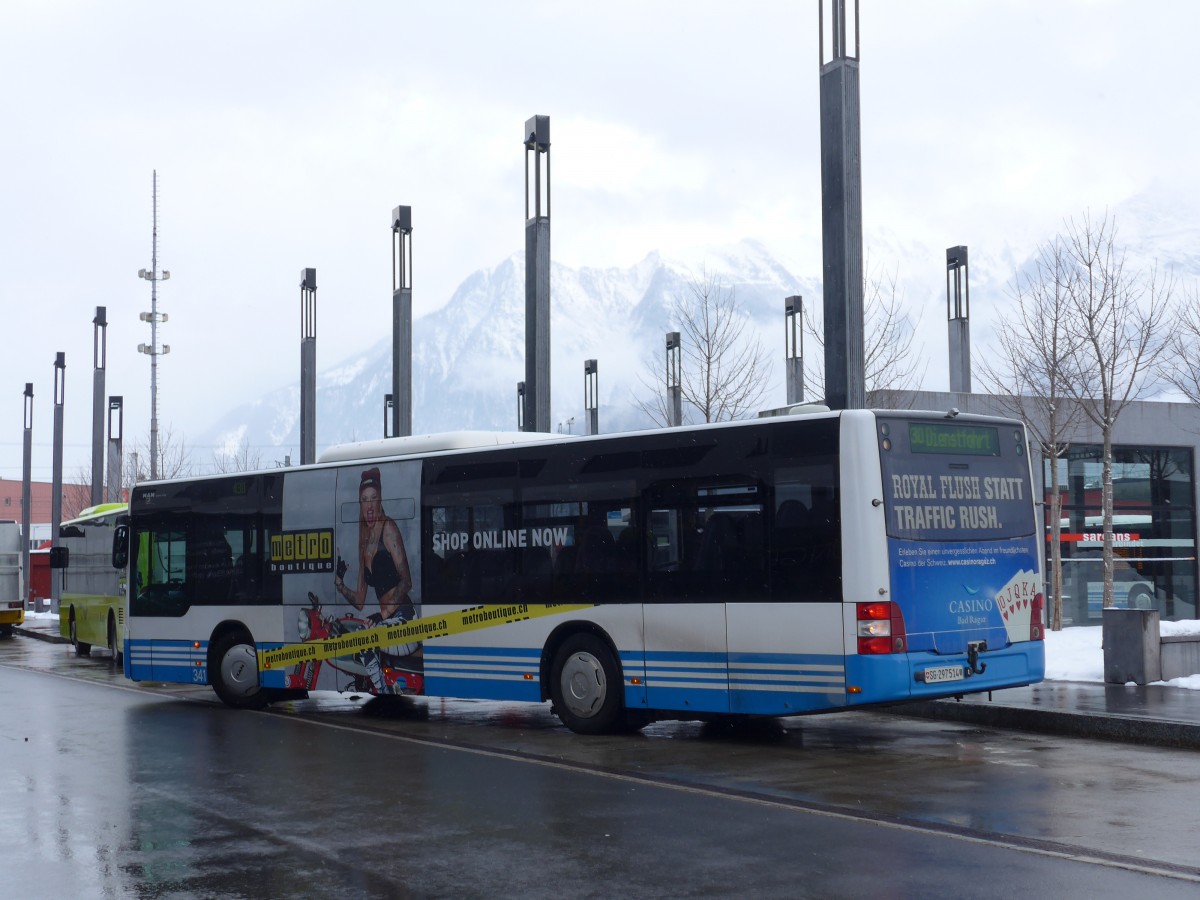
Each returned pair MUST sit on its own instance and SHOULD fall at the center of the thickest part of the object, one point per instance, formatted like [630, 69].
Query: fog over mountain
[469, 355]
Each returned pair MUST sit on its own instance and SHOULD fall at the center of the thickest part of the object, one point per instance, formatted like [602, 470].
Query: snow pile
[1188, 627]
[1076, 654]
[1170, 629]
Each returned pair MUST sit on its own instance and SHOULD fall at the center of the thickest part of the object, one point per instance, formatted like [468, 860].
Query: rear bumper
[896, 677]
[12, 616]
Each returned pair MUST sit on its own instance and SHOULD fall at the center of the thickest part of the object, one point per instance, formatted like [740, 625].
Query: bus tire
[233, 671]
[114, 641]
[585, 686]
[1141, 598]
[81, 648]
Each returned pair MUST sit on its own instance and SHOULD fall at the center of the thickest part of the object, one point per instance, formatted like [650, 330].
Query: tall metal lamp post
[841, 205]
[537, 275]
[402, 321]
[99, 352]
[26, 491]
[308, 366]
[674, 380]
[591, 394]
[60, 391]
[958, 315]
[116, 438]
[793, 343]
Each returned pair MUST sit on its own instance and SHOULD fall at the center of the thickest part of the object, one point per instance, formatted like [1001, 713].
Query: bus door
[785, 636]
[687, 662]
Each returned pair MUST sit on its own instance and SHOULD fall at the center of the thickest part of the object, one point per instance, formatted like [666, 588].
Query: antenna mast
[154, 349]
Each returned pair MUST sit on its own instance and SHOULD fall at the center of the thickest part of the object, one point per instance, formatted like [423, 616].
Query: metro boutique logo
[302, 551]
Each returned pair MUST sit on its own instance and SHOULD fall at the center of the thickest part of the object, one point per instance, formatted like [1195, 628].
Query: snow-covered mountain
[469, 355]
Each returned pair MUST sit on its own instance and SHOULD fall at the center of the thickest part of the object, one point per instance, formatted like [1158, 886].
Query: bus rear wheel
[585, 686]
[233, 671]
[81, 648]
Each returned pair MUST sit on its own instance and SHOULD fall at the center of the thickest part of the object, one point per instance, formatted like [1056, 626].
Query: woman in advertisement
[382, 561]
[382, 565]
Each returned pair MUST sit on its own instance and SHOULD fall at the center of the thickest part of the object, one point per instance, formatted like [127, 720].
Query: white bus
[772, 567]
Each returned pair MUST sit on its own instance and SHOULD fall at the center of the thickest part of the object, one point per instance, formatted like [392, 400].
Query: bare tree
[174, 461]
[891, 369]
[77, 495]
[1031, 375]
[724, 371]
[174, 458]
[1181, 367]
[1122, 323]
[239, 459]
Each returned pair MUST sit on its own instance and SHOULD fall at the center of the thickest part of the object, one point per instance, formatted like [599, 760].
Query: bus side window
[806, 557]
[665, 529]
[719, 544]
[537, 570]
[475, 554]
[209, 566]
[247, 566]
[626, 552]
[792, 514]
[496, 576]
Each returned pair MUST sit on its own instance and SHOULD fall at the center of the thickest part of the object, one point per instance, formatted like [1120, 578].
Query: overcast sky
[284, 133]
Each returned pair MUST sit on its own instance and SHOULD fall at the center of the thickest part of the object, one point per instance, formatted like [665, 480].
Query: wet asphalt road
[112, 789]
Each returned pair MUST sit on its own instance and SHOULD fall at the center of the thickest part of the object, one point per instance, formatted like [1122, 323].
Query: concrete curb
[1130, 729]
[47, 636]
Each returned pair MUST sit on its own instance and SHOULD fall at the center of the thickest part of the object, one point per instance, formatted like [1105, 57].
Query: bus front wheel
[81, 648]
[233, 671]
[114, 641]
[585, 686]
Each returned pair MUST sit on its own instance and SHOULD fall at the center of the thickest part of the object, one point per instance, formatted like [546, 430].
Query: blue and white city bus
[785, 565]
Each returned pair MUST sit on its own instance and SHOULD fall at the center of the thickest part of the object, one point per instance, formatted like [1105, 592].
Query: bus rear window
[945, 481]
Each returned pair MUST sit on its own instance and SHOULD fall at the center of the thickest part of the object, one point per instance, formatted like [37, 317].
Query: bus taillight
[880, 628]
[1037, 631]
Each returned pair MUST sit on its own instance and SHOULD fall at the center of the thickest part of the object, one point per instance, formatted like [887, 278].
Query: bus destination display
[968, 440]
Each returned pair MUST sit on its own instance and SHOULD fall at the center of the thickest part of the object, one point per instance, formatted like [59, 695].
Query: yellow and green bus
[12, 603]
[92, 592]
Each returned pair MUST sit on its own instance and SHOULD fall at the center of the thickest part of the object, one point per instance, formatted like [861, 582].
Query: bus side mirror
[120, 547]
[59, 557]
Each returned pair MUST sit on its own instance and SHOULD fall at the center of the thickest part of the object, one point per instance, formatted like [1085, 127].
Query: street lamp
[793, 347]
[591, 394]
[674, 379]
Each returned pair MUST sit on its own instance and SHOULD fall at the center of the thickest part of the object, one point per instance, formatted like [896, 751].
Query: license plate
[943, 673]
